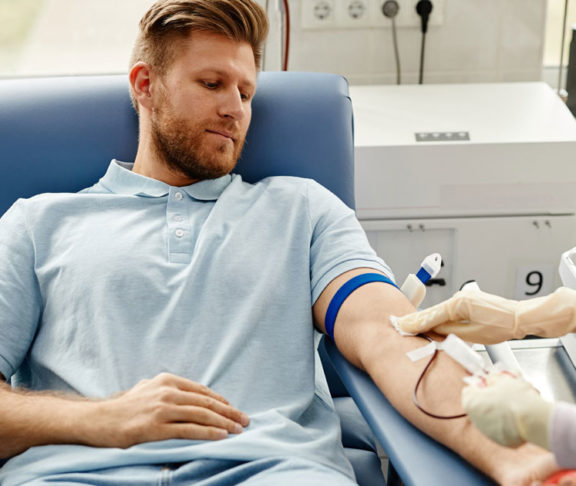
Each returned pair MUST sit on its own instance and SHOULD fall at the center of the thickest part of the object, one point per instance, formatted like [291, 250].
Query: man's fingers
[185, 393]
[202, 416]
[184, 384]
[193, 399]
[195, 432]
[167, 407]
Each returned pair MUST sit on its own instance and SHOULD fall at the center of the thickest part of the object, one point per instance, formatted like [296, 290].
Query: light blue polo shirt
[214, 282]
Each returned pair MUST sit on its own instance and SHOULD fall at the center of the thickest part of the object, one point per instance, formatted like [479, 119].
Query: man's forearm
[30, 419]
[365, 337]
[439, 393]
[164, 407]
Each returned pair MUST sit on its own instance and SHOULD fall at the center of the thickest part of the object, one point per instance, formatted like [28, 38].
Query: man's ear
[139, 76]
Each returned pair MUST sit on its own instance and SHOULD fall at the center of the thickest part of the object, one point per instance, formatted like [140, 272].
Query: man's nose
[232, 105]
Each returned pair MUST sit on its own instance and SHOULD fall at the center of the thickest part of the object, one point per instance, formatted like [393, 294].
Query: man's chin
[212, 171]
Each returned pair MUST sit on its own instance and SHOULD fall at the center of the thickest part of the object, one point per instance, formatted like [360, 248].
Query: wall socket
[363, 14]
[352, 14]
[318, 14]
[407, 16]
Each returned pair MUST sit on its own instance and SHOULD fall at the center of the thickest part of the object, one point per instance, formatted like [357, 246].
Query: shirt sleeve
[339, 243]
[20, 302]
[562, 434]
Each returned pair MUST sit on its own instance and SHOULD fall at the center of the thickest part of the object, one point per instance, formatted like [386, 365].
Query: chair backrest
[59, 134]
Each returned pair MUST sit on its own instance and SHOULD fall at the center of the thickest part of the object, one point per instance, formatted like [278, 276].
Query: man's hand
[508, 410]
[166, 407]
[484, 318]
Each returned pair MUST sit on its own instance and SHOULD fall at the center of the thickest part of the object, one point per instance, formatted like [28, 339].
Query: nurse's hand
[508, 409]
[483, 318]
[166, 407]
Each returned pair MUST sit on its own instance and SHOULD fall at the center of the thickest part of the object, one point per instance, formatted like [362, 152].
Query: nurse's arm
[165, 407]
[364, 336]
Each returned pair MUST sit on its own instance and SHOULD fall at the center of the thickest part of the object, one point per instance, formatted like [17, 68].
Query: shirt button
[179, 233]
[178, 218]
[178, 196]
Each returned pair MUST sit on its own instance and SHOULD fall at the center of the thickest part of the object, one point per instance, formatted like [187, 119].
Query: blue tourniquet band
[342, 294]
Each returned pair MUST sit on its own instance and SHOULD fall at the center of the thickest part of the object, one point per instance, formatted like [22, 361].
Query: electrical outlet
[318, 14]
[352, 14]
[407, 16]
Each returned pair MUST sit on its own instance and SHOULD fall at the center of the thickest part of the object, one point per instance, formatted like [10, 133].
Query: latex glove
[508, 410]
[479, 317]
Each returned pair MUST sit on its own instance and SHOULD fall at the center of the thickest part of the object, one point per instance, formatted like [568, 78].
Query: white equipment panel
[483, 249]
[485, 174]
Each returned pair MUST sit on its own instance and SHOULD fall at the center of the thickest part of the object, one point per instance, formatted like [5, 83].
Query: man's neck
[148, 165]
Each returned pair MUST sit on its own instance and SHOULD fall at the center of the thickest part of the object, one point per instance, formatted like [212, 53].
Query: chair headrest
[59, 134]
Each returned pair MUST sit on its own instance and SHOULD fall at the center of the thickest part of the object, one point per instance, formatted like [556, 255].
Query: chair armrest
[418, 459]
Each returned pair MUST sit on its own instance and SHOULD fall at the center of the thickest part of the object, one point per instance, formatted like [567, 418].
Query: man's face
[202, 106]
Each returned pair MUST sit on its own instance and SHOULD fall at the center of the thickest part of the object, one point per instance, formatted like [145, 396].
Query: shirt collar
[120, 179]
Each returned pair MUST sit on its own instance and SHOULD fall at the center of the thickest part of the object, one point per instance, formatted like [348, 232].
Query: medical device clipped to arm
[414, 287]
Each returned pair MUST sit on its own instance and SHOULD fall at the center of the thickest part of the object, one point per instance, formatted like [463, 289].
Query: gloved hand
[483, 318]
[508, 410]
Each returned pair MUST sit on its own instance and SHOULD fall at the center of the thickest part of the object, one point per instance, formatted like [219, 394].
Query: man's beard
[180, 145]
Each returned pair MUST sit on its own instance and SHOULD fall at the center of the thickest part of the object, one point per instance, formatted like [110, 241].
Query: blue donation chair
[59, 134]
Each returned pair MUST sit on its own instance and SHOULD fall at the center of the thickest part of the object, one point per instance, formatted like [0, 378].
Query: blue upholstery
[59, 135]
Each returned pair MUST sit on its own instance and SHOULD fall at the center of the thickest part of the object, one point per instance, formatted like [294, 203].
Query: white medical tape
[419, 353]
[456, 348]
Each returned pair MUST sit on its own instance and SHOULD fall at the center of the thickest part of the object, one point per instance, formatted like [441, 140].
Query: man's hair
[169, 20]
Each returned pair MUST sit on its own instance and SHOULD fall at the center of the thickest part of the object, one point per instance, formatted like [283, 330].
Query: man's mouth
[223, 133]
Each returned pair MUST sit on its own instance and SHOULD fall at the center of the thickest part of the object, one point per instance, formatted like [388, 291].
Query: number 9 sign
[534, 281]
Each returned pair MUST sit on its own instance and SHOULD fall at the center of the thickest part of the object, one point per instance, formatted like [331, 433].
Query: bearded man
[157, 327]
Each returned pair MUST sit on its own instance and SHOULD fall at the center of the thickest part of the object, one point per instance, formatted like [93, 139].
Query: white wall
[479, 41]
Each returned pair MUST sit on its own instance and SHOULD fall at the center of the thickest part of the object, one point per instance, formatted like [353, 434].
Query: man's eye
[210, 85]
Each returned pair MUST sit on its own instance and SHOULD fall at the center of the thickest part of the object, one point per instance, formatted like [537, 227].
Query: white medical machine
[484, 174]
[567, 271]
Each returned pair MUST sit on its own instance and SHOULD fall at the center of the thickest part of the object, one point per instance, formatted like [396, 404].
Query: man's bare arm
[166, 407]
[365, 337]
